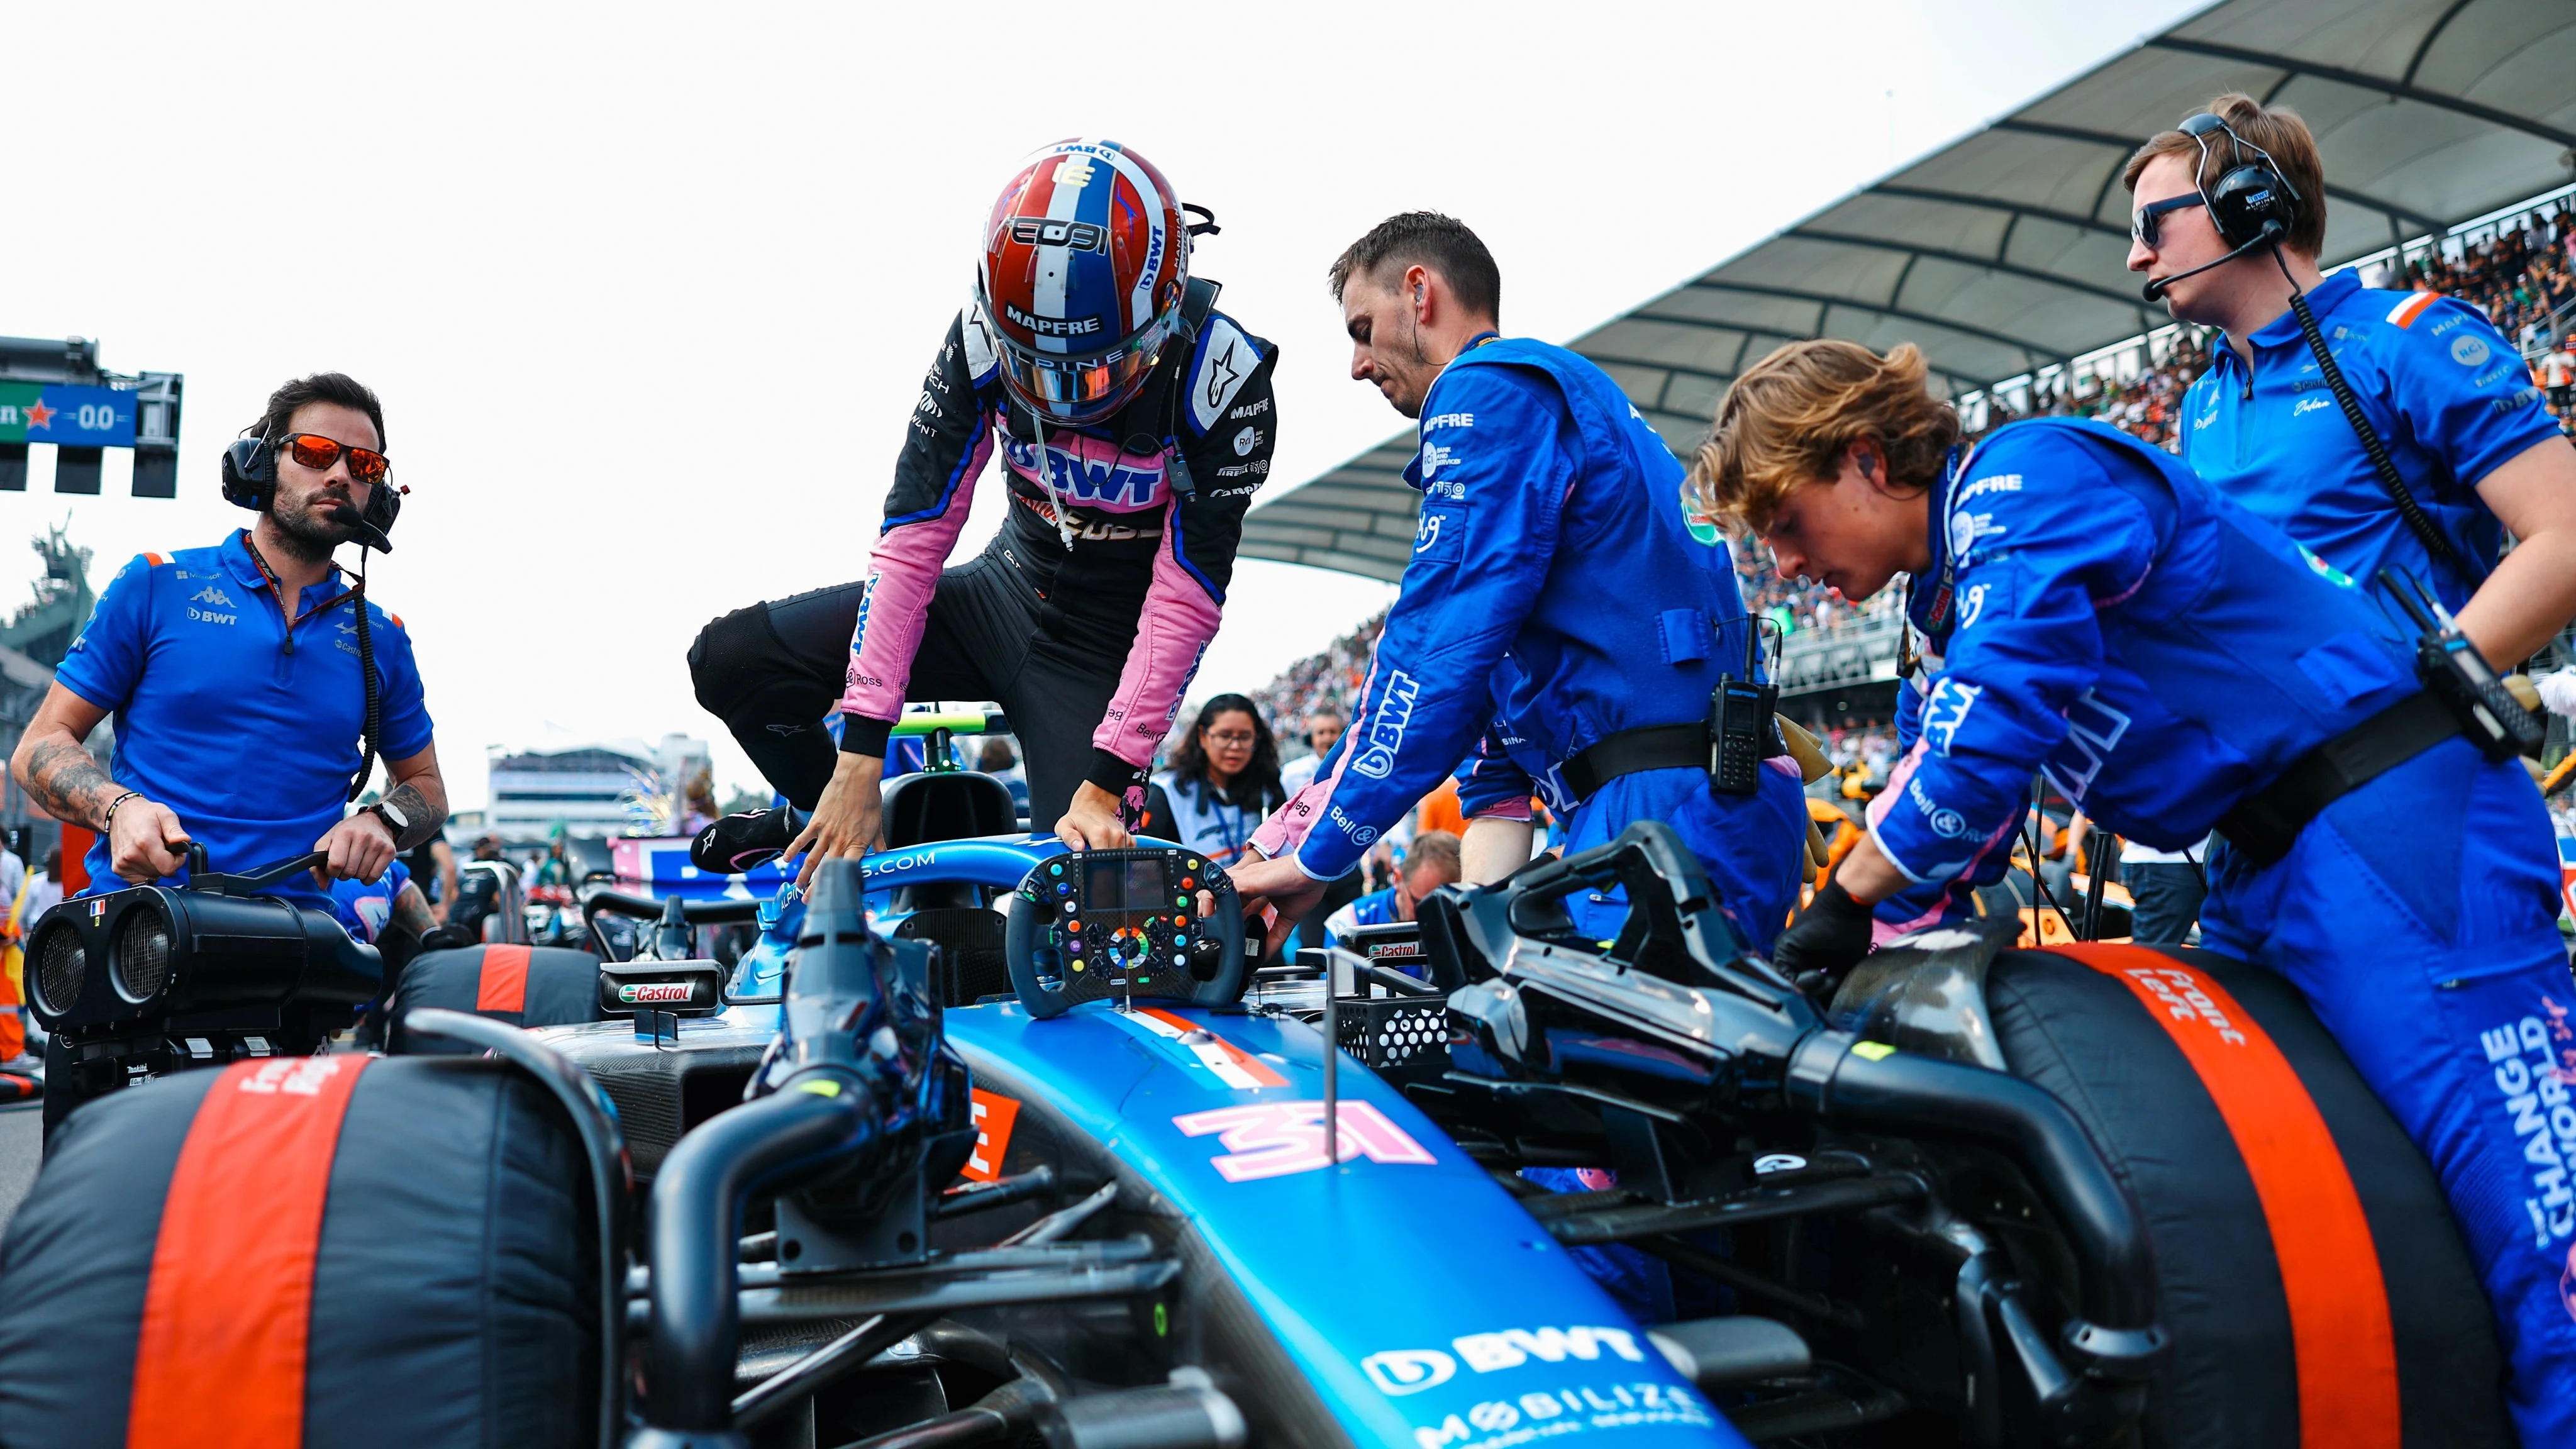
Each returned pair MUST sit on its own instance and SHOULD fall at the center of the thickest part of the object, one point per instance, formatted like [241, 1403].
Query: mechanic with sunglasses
[243, 721]
[1134, 423]
[2231, 218]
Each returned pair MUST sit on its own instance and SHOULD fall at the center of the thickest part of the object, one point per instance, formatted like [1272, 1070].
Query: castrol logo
[644, 993]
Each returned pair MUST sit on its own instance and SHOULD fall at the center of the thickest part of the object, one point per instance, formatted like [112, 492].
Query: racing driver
[1560, 628]
[2176, 663]
[1134, 422]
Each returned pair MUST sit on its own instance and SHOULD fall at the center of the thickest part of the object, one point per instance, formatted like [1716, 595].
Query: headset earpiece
[250, 473]
[2251, 202]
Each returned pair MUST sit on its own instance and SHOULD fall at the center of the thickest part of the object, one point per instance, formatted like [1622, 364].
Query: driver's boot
[746, 840]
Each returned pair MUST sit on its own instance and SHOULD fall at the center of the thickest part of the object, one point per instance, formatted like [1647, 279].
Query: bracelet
[107, 823]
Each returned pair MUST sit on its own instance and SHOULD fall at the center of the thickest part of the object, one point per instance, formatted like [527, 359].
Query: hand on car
[146, 841]
[360, 848]
[848, 822]
[1280, 884]
[1827, 939]
[1092, 822]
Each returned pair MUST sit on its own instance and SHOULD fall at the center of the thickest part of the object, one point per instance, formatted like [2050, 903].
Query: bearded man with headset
[245, 719]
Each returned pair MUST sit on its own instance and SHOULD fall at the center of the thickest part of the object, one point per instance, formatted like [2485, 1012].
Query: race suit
[1556, 596]
[2165, 653]
[1084, 618]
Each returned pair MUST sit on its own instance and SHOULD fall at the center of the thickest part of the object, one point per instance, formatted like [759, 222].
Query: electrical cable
[2407, 507]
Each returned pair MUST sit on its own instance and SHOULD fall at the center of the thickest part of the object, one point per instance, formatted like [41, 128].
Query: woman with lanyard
[1223, 782]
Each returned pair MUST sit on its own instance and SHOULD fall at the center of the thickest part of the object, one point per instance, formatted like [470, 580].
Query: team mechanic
[1560, 628]
[2473, 448]
[2179, 664]
[243, 721]
[1134, 421]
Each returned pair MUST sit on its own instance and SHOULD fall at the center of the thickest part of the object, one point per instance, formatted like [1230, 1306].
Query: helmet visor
[1078, 390]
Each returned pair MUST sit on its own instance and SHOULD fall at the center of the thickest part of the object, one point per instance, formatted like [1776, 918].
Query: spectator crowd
[2522, 274]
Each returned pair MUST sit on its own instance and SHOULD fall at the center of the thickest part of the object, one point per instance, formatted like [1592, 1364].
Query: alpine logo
[1386, 731]
[1051, 326]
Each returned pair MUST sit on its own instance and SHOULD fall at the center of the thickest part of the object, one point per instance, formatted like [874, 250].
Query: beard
[306, 527]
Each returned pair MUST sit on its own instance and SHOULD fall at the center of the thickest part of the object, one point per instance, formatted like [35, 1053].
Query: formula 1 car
[860, 1190]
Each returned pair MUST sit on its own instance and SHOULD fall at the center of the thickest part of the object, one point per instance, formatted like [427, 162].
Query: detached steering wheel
[1155, 921]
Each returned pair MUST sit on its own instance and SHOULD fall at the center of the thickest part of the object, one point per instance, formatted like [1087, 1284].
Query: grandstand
[2447, 126]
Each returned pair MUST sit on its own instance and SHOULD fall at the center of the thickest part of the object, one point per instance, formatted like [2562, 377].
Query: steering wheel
[1158, 921]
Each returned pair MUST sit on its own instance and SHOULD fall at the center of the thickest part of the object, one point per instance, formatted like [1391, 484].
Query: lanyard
[1945, 586]
[277, 589]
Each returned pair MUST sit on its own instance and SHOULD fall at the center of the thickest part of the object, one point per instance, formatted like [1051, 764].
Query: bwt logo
[1082, 236]
[1386, 732]
[1399, 1372]
[1086, 481]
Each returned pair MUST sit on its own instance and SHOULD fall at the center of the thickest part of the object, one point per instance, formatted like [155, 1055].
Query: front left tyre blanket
[357, 1251]
[525, 986]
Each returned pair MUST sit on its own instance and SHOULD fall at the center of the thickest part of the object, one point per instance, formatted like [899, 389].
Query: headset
[250, 481]
[2253, 205]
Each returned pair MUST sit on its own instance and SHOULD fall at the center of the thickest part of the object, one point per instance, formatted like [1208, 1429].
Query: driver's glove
[1828, 938]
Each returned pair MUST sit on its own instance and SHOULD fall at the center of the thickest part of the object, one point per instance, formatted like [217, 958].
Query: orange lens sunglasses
[318, 453]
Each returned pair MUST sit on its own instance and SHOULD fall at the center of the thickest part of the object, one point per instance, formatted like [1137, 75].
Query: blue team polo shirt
[2447, 392]
[250, 742]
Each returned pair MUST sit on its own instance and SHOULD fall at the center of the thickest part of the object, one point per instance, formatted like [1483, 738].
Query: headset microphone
[2155, 291]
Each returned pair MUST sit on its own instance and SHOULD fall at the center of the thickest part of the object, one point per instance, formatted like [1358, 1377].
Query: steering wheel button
[1188, 884]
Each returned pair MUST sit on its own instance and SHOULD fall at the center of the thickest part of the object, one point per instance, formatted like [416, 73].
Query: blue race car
[992, 1139]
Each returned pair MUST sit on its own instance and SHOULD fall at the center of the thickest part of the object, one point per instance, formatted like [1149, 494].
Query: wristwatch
[393, 816]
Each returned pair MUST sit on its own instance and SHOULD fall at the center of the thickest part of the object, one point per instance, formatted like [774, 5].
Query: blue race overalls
[2165, 653]
[1556, 596]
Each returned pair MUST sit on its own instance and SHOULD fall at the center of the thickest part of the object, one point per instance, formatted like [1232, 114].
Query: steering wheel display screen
[1117, 923]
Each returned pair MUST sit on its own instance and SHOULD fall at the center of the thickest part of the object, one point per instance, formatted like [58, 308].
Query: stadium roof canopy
[2005, 251]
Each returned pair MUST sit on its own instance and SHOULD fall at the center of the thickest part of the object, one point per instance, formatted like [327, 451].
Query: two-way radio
[1740, 734]
[2456, 673]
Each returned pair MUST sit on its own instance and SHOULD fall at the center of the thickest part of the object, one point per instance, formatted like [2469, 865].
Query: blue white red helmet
[1086, 259]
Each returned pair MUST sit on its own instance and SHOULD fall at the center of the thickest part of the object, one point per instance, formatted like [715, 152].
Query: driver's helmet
[1086, 258]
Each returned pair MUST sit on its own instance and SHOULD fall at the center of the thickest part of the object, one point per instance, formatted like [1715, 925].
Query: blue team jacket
[2159, 649]
[1556, 595]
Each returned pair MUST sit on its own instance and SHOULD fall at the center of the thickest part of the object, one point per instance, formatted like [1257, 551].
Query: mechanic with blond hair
[2176, 664]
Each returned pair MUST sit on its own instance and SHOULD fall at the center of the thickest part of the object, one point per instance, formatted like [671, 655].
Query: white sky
[648, 290]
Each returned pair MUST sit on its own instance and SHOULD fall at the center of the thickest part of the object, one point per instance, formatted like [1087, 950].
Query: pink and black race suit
[1128, 565]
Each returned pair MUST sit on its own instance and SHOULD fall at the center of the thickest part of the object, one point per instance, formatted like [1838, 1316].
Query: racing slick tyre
[287, 1249]
[2307, 1265]
[527, 986]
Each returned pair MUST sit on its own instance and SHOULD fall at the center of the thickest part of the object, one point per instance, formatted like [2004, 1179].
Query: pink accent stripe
[903, 572]
[1172, 634]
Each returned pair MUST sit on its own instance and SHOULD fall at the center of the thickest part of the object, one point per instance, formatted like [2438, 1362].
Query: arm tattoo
[66, 780]
[415, 806]
[411, 911]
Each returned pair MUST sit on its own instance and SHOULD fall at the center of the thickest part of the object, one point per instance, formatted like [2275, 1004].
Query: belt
[2265, 824]
[1651, 747]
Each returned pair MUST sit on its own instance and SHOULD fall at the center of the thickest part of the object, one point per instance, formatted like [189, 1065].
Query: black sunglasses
[2143, 222]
